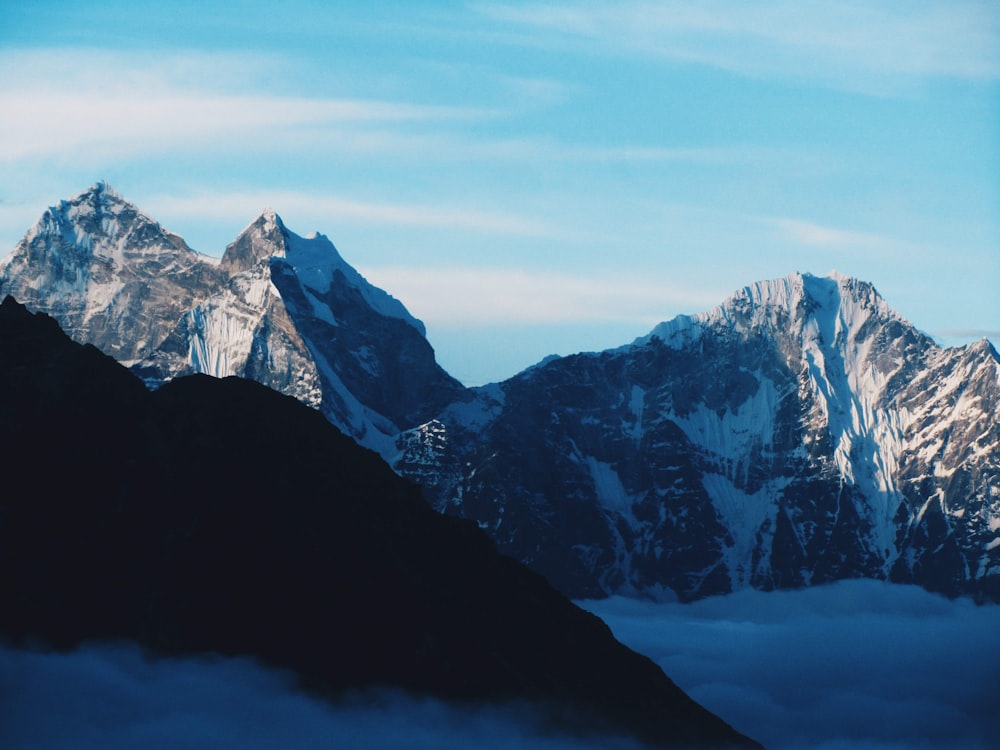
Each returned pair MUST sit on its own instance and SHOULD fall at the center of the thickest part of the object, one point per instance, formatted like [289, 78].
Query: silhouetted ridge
[218, 515]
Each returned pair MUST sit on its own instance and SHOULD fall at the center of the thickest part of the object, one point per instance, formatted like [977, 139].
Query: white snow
[610, 491]
[477, 413]
[315, 261]
[743, 515]
[731, 439]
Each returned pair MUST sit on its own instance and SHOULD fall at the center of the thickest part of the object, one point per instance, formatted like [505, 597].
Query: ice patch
[743, 515]
[610, 491]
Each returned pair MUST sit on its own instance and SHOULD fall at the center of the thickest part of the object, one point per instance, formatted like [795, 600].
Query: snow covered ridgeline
[800, 432]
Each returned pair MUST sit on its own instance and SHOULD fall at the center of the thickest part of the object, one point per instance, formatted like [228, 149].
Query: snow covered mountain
[110, 274]
[281, 309]
[799, 433]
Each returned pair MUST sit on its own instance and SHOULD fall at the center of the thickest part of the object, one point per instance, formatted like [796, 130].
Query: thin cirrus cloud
[54, 122]
[83, 103]
[244, 206]
[817, 235]
[847, 44]
[967, 334]
[459, 298]
[106, 106]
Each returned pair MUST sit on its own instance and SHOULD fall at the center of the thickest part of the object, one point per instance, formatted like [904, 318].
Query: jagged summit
[101, 187]
[800, 302]
[265, 237]
[101, 221]
[315, 261]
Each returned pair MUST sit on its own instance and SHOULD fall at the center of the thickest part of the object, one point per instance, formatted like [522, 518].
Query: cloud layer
[858, 664]
[113, 698]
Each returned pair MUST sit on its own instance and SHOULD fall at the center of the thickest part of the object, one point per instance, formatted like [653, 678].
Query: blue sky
[536, 178]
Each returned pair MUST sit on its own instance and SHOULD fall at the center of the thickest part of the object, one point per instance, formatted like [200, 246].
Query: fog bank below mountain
[853, 665]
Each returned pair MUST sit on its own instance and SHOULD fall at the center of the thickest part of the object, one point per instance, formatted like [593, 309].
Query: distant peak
[267, 223]
[103, 188]
[983, 345]
[265, 237]
[100, 193]
[99, 198]
[269, 216]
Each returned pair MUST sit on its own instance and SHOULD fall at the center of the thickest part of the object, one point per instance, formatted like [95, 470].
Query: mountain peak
[265, 237]
[270, 220]
[103, 188]
[99, 197]
[96, 223]
[796, 301]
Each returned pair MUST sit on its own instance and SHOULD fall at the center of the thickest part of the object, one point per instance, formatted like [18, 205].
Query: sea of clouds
[857, 665]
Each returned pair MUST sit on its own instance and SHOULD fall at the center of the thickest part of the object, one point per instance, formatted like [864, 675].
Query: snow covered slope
[800, 432]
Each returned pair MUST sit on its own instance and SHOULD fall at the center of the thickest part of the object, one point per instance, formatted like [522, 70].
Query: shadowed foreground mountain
[220, 516]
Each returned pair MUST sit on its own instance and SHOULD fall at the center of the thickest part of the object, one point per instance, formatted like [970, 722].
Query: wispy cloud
[40, 124]
[459, 298]
[89, 104]
[97, 107]
[846, 43]
[243, 206]
[817, 235]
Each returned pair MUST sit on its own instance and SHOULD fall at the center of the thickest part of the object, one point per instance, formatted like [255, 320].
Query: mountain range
[218, 516]
[801, 432]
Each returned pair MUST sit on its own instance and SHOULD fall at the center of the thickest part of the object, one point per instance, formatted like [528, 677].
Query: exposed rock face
[799, 433]
[157, 517]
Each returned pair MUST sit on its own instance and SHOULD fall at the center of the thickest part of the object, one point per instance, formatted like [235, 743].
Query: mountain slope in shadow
[220, 516]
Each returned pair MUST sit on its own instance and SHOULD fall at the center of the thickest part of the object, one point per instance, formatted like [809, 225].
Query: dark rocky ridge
[217, 515]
